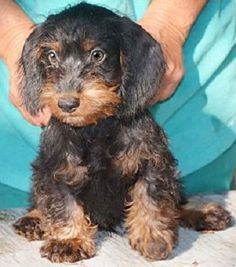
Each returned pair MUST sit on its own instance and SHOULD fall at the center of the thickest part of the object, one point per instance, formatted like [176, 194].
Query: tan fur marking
[96, 101]
[35, 213]
[71, 173]
[121, 58]
[152, 229]
[130, 162]
[56, 46]
[30, 226]
[88, 44]
[202, 216]
[70, 239]
[76, 225]
[69, 250]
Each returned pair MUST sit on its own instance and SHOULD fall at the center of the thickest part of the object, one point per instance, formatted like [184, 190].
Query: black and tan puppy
[102, 157]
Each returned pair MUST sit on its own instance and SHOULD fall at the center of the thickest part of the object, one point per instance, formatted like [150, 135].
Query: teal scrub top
[200, 119]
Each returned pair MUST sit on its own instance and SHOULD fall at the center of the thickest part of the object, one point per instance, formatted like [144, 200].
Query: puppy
[102, 158]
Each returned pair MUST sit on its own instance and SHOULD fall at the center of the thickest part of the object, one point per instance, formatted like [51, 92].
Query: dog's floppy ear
[30, 73]
[142, 66]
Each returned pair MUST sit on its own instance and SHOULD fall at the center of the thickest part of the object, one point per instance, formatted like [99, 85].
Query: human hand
[171, 44]
[15, 27]
[169, 22]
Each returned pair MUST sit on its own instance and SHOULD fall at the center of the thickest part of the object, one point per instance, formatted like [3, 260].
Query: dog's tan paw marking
[154, 246]
[71, 250]
[215, 218]
[29, 227]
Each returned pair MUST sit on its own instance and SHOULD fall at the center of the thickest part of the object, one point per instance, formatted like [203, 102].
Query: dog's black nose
[68, 105]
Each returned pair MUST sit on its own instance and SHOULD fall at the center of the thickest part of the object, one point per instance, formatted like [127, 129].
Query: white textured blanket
[194, 249]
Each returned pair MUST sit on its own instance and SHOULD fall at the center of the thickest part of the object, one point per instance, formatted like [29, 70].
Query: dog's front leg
[152, 215]
[70, 234]
[59, 219]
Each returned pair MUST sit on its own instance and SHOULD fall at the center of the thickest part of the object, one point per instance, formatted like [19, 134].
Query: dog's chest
[76, 155]
[101, 183]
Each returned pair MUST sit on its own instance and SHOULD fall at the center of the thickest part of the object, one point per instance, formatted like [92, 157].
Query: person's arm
[15, 27]
[169, 22]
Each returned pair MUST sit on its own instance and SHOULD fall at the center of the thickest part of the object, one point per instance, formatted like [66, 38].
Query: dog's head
[87, 63]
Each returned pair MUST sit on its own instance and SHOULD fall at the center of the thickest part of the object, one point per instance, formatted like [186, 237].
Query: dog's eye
[52, 57]
[97, 55]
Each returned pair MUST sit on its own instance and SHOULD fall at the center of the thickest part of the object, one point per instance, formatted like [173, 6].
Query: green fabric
[13, 198]
[201, 117]
[18, 141]
[38, 10]
[199, 120]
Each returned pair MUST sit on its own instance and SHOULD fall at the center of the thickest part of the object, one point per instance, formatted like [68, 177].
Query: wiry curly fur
[102, 156]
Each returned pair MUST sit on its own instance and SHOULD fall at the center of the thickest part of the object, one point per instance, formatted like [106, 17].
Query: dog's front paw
[154, 245]
[29, 227]
[70, 250]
